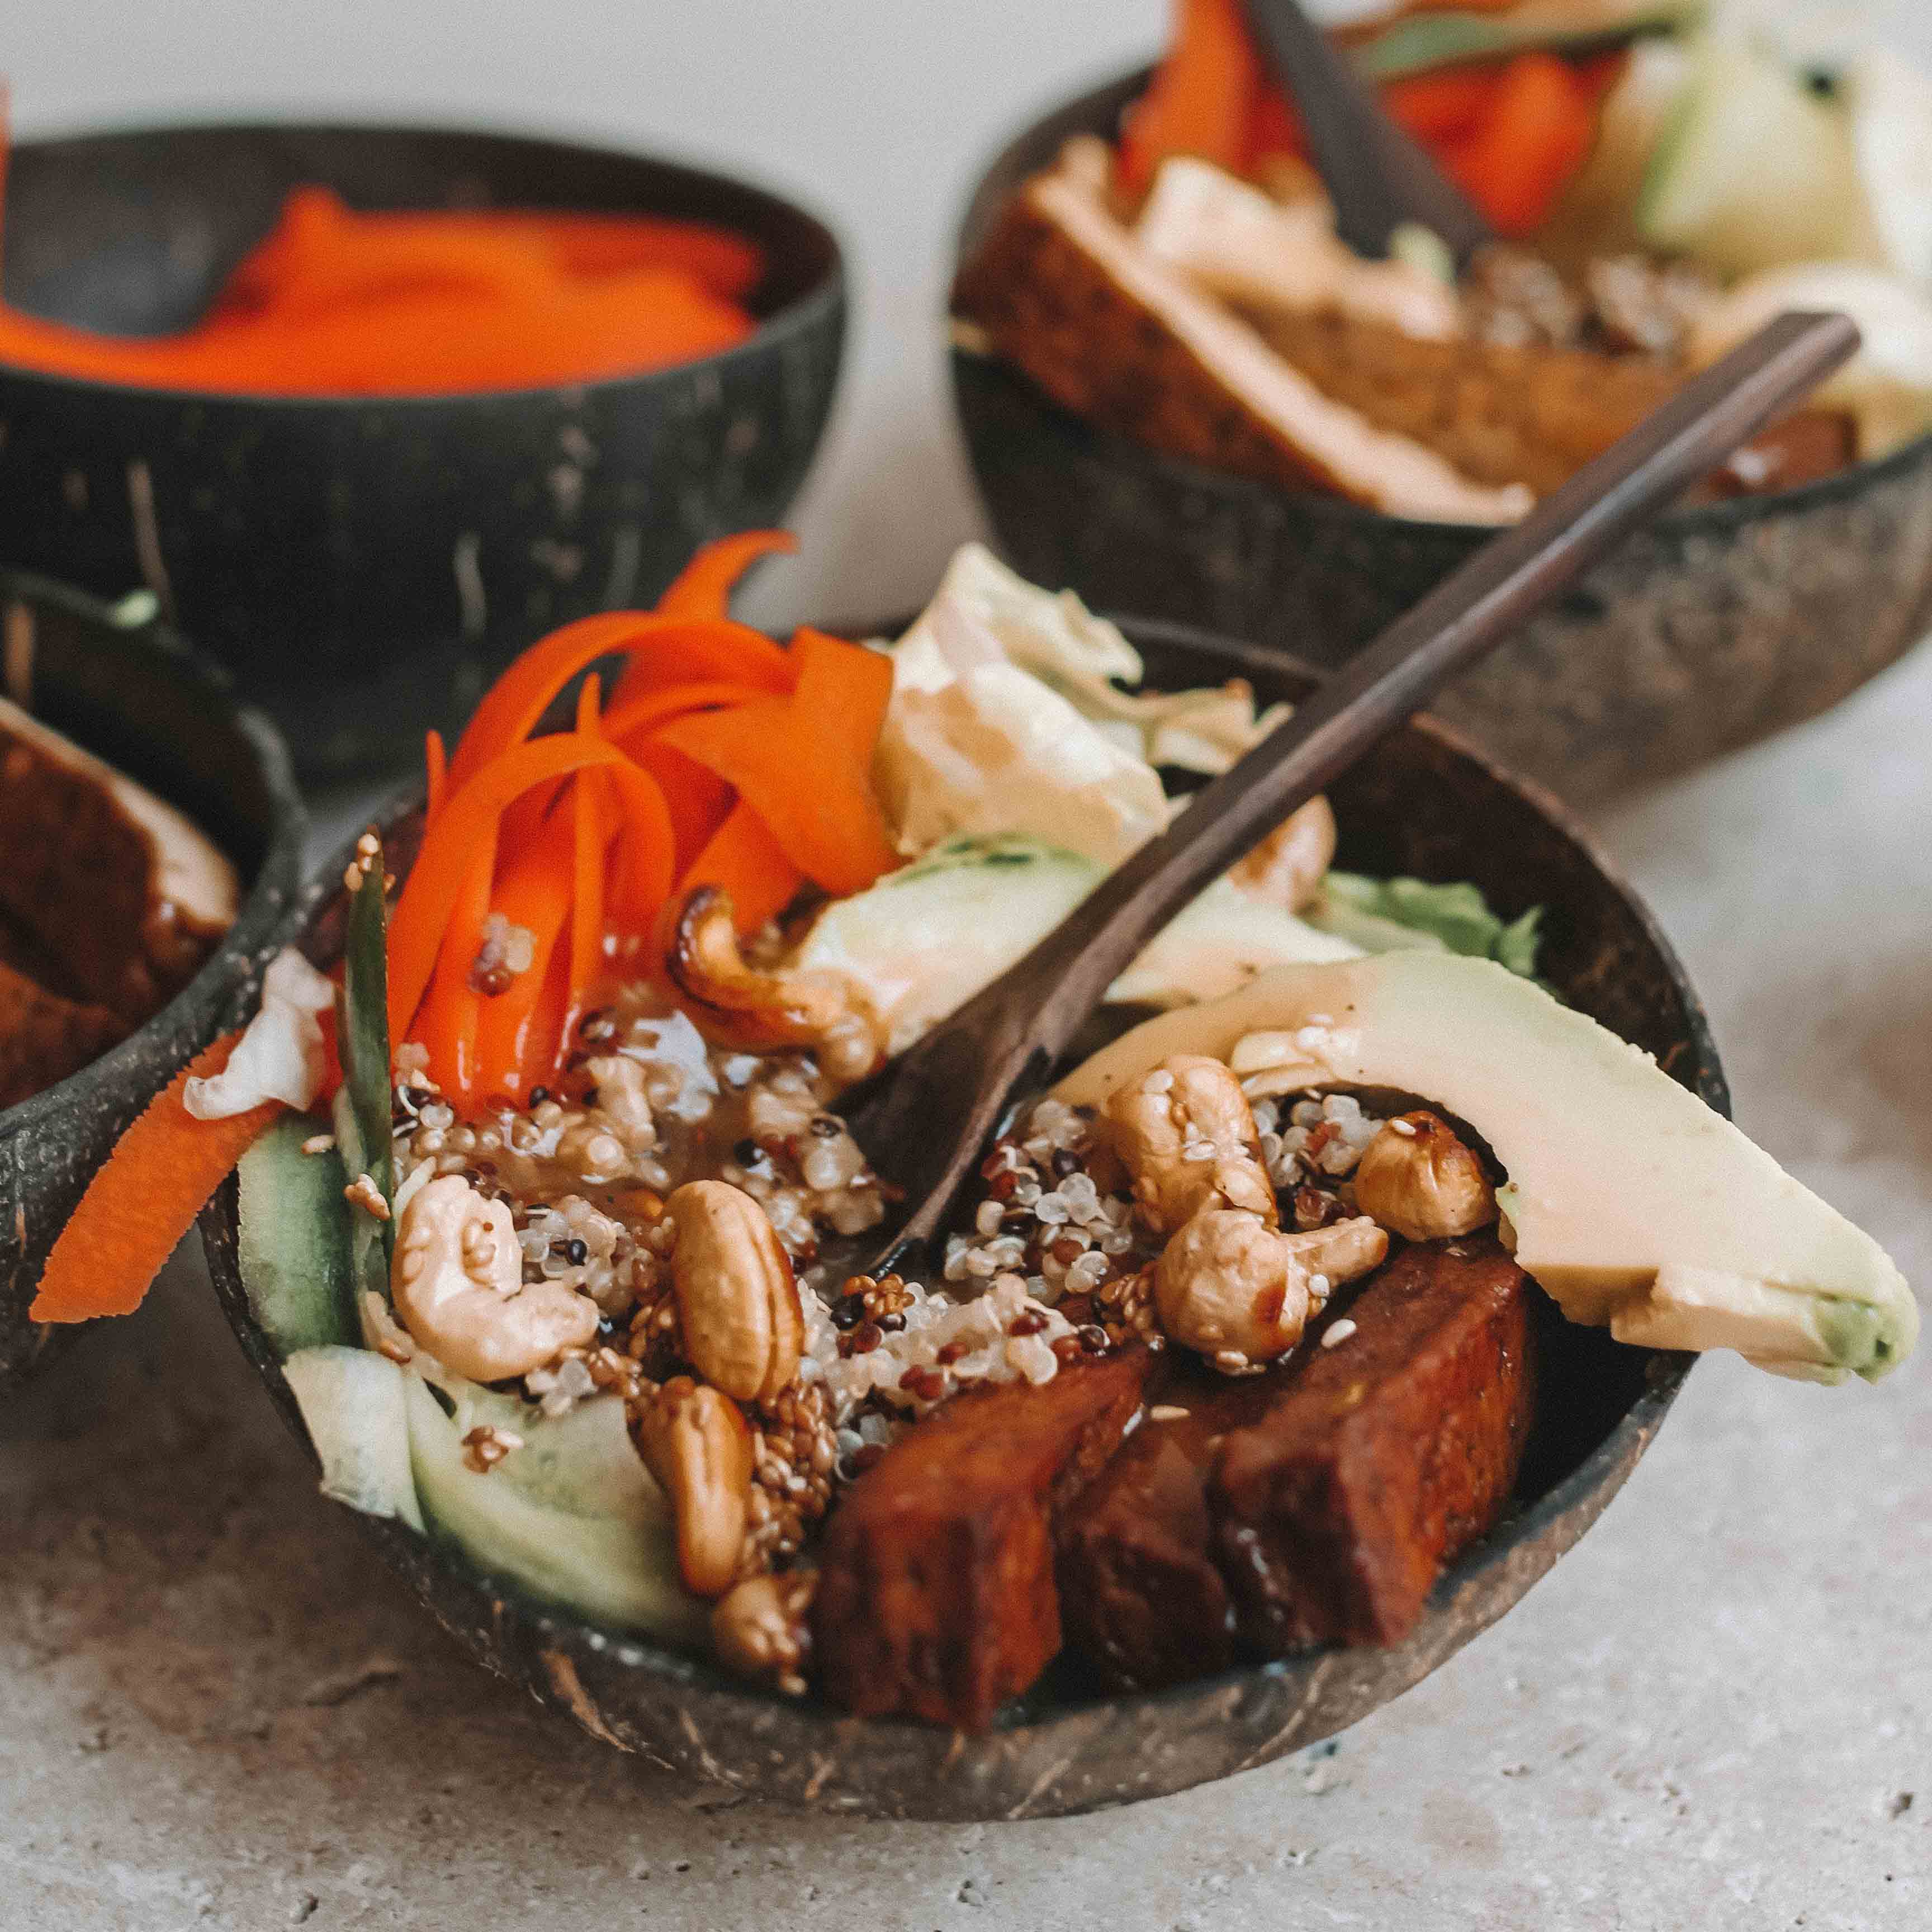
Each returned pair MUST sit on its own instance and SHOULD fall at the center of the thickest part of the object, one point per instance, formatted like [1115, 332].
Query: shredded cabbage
[279, 1056]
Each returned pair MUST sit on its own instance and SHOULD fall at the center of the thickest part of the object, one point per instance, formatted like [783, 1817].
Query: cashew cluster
[743, 1324]
[457, 1284]
[695, 1441]
[1287, 868]
[1418, 1181]
[1240, 1292]
[759, 1629]
[1187, 1136]
[1229, 1284]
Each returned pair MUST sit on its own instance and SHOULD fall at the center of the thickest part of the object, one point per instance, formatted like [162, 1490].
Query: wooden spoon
[1379, 179]
[924, 1118]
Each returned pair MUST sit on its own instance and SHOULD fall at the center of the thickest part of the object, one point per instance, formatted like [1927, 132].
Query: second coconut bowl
[1717, 626]
[363, 564]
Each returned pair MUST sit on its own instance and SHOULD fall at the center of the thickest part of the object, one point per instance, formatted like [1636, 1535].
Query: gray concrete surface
[216, 1708]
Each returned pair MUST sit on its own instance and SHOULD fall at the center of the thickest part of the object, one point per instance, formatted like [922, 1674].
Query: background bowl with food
[561, 1289]
[417, 394]
[1183, 395]
[154, 847]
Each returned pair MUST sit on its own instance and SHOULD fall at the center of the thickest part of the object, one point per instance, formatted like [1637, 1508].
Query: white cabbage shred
[280, 1056]
[1007, 715]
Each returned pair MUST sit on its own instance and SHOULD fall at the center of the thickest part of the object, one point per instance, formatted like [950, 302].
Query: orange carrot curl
[145, 1199]
[719, 758]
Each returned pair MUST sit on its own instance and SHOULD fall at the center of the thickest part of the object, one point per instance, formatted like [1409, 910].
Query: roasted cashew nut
[457, 1284]
[1287, 868]
[737, 1303]
[760, 1628]
[697, 1445]
[1419, 1181]
[1187, 1135]
[1234, 1289]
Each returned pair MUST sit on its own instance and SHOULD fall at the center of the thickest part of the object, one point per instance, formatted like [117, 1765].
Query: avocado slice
[922, 941]
[1636, 1206]
[1420, 43]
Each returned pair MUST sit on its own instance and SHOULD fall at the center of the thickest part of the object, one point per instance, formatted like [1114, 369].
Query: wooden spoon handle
[1377, 176]
[1048, 996]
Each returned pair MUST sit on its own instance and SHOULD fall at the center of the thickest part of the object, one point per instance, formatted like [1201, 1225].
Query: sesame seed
[1337, 1335]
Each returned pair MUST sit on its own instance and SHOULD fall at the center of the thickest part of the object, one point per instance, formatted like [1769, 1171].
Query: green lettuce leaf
[1387, 915]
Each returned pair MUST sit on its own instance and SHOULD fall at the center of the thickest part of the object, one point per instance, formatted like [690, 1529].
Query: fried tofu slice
[1389, 1454]
[115, 884]
[936, 1595]
[1061, 289]
[44, 1037]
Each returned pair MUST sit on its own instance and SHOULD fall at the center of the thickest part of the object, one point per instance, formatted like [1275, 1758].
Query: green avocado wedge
[1633, 1204]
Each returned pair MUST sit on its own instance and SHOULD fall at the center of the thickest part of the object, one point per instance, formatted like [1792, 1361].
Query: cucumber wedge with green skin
[362, 1108]
[1424, 42]
[572, 1517]
[354, 1403]
[1754, 170]
[297, 1236]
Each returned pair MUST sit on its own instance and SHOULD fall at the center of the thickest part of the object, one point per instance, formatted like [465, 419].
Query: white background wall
[877, 113]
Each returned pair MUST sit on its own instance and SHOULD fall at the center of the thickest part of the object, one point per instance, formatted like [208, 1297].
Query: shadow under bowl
[363, 565]
[1720, 625]
[1423, 803]
[139, 698]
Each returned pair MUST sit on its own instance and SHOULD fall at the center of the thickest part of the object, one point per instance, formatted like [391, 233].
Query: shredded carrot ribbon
[337, 301]
[732, 763]
[145, 1199]
[1513, 133]
[719, 758]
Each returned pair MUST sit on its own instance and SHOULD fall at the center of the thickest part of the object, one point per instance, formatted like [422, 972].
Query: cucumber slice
[294, 1245]
[1424, 42]
[353, 1403]
[572, 1517]
[362, 1105]
[1755, 170]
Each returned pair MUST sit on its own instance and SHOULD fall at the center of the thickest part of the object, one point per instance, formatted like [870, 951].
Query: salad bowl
[1425, 805]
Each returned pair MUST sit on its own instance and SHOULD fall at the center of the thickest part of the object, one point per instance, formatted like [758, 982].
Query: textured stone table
[217, 1709]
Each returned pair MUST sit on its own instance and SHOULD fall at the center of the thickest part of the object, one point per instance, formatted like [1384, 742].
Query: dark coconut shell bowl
[137, 697]
[1717, 626]
[374, 561]
[1423, 803]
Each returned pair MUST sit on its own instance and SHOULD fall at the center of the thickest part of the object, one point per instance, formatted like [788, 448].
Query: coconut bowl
[1718, 625]
[374, 561]
[139, 698]
[1424, 803]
